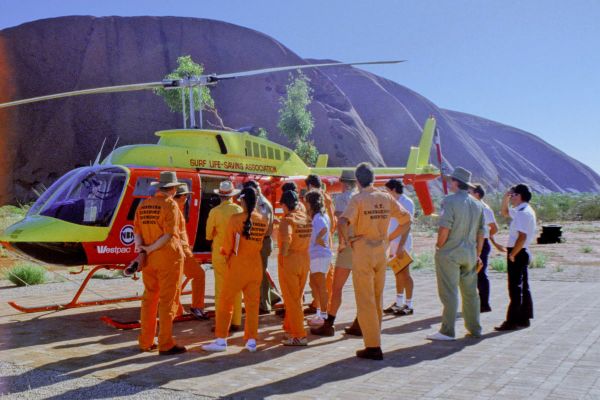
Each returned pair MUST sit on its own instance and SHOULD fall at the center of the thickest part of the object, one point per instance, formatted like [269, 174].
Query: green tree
[262, 133]
[186, 67]
[295, 120]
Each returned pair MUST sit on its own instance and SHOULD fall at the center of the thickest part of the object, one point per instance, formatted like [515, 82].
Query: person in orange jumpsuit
[216, 226]
[241, 247]
[295, 231]
[157, 233]
[191, 269]
[313, 182]
[369, 213]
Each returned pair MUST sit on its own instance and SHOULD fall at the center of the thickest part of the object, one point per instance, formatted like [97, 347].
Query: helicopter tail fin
[322, 160]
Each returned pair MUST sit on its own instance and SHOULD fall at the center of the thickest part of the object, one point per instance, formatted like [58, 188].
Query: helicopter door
[208, 201]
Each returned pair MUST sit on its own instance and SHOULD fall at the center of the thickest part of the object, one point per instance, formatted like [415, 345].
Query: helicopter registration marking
[113, 250]
[232, 166]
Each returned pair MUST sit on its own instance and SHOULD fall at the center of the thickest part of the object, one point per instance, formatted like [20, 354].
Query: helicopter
[86, 216]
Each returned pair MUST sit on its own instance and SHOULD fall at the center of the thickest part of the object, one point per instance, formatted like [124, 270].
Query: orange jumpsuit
[330, 209]
[163, 269]
[369, 213]
[295, 230]
[244, 273]
[192, 270]
[216, 226]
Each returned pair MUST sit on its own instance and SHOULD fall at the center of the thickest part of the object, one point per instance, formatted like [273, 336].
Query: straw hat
[226, 189]
[168, 179]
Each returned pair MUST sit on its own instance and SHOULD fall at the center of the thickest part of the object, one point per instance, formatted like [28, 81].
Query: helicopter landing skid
[75, 303]
[128, 325]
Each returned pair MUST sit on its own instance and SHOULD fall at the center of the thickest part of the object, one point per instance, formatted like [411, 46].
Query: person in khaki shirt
[216, 226]
[157, 233]
[293, 240]
[369, 213]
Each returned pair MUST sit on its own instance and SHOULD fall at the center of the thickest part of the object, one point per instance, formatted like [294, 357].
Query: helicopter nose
[51, 240]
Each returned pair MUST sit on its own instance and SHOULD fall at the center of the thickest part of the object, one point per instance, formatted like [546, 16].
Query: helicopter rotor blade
[233, 75]
[106, 89]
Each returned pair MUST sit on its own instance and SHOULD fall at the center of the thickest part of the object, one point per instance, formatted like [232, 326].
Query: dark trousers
[483, 283]
[268, 296]
[520, 308]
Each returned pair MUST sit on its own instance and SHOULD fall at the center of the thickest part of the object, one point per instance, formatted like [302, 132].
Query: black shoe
[506, 326]
[280, 312]
[524, 324]
[323, 330]
[404, 311]
[370, 353]
[353, 329]
[263, 311]
[199, 314]
[173, 350]
[485, 309]
[150, 349]
[310, 310]
[393, 308]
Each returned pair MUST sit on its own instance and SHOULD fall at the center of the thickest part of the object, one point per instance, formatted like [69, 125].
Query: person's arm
[493, 230]
[210, 224]
[228, 239]
[518, 246]
[160, 242]
[285, 233]
[480, 239]
[505, 200]
[442, 237]
[403, 230]
[138, 243]
[319, 239]
[349, 216]
[446, 221]
[343, 233]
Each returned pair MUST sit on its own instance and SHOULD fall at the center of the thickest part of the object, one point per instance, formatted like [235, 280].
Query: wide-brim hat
[226, 189]
[461, 174]
[183, 190]
[348, 176]
[168, 179]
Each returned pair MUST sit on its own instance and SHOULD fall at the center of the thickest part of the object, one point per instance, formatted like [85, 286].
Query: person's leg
[252, 303]
[149, 307]
[470, 298]
[314, 290]
[340, 277]
[527, 302]
[294, 280]
[363, 278]
[483, 283]
[265, 285]
[195, 273]
[233, 283]
[380, 264]
[169, 274]
[447, 273]
[515, 281]
[320, 285]
[409, 286]
[329, 281]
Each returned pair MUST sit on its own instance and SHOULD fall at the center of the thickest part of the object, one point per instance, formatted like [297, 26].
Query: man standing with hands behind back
[459, 243]
[369, 213]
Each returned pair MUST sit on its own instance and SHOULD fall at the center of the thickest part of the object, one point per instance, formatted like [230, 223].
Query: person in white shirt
[320, 254]
[521, 232]
[404, 282]
[483, 283]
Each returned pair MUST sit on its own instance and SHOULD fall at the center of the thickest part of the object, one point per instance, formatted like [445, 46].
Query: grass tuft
[539, 261]
[27, 274]
[498, 264]
[587, 249]
[423, 261]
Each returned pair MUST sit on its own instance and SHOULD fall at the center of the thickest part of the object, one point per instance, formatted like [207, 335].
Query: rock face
[358, 116]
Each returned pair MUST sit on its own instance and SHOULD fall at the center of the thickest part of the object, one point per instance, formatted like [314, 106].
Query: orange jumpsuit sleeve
[285, 232]
[229, 239]
[398, 212]
[210, 224]
[170, 219]
[137, 228]
[351, 212]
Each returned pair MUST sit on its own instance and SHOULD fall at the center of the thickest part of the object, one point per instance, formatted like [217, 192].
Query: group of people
[373, 227]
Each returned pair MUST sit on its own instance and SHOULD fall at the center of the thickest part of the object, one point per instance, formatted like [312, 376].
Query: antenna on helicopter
[97, 162]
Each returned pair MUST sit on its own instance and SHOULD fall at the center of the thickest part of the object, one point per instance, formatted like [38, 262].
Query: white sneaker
[251, 345]
[439, 336]
[217, 345]
[316, 321]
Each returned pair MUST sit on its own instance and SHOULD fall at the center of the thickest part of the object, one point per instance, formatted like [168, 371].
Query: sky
[531, 64]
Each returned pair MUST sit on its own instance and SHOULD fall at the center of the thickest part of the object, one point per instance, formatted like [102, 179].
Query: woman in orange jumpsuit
[191, 269]
[295, 230]
[241, 247]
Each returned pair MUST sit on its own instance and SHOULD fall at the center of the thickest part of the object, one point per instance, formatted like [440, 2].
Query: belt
[371, 242]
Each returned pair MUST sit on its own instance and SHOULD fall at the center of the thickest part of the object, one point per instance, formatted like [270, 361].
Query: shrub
[422, 261]
[586, 249]
[539, 261]
[498, 264]
[27, 274]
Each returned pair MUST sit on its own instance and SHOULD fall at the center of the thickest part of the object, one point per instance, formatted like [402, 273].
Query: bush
[587, 249]
[422, 261]
[11, 214]
[27, 274]
[539, 261]
[498, 264]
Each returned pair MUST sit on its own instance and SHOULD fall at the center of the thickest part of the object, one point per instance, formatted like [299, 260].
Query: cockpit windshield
[85, 196]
